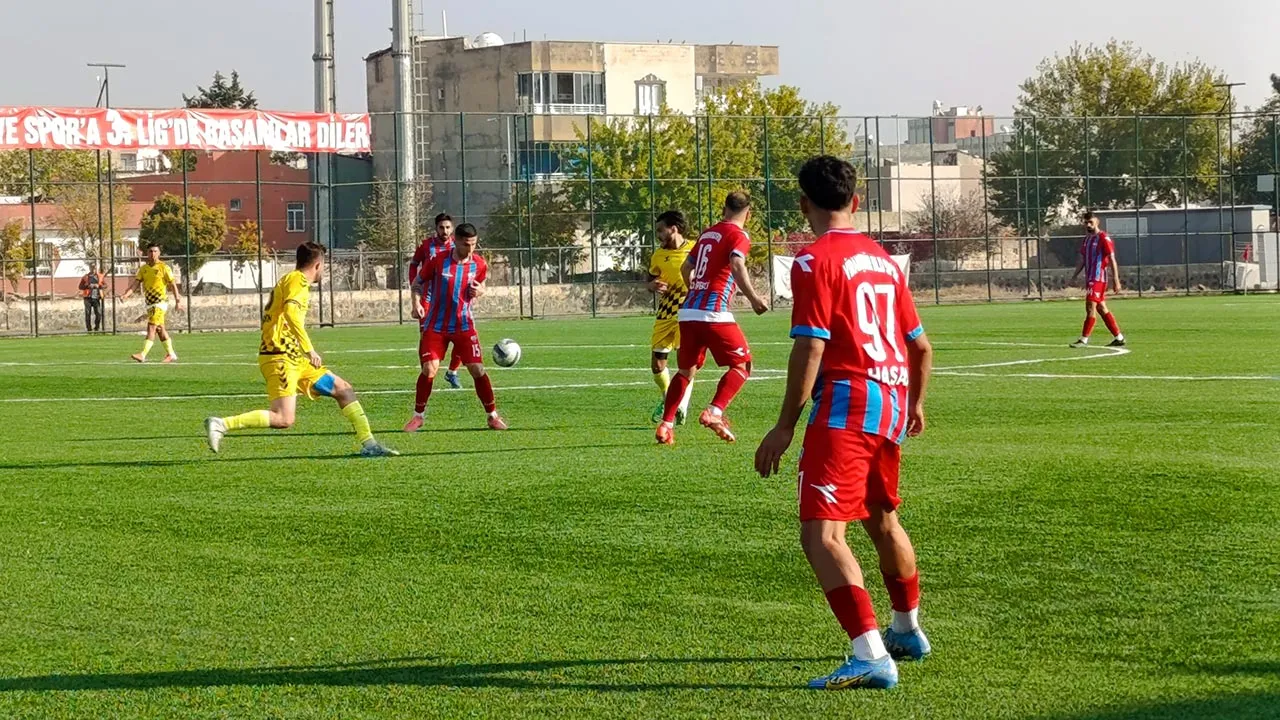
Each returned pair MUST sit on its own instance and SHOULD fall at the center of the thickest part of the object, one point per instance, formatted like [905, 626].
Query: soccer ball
[507, 352]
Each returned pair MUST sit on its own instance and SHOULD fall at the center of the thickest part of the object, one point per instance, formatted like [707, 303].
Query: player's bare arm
[738, 266]
[1076, 274]
[177, 297]
[477, 289]
[133, 287]
[920, 367]
[802, 373]
[656, 286]
[1115, 272]
[686, 271]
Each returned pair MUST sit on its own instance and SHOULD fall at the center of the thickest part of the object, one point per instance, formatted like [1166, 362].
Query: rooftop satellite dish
[488, 39]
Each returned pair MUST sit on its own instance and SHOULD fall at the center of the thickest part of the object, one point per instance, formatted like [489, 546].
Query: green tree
[79, 211]
[245, 249]
[222, 94]
[1258, 151]
[1081, 138]
[15, 252]
[385, 225]
[165, 224]
[52, 167]
[748, 138]
[545, 223]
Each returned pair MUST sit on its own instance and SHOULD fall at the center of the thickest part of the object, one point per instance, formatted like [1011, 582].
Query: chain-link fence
[986, 207]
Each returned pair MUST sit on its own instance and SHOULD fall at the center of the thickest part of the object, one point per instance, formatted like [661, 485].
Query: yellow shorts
[155, 314]
[666, 335]
[287, 376]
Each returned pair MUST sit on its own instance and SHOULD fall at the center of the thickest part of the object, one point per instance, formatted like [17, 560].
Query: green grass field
[1097, 532]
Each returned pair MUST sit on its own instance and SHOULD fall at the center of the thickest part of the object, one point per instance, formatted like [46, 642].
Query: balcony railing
[562, 108]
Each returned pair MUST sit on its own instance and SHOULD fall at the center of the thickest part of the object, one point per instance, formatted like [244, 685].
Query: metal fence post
[591, 209]
[933, 201]
[653, 201]
[257, 189]
[986, 209]
[697, 164]
[1035, 134]
[768, 207]
[529, 183]
[1137, 196]
[866, 187]
[186, 234]
[399, 235]
[1088, 179]
[462, 161]
[1186, 212]
[35, 247]
[880, 185]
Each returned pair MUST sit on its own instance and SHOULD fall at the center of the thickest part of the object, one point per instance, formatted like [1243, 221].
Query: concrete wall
[626, 64]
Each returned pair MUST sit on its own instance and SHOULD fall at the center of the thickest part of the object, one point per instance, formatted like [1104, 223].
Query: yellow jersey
[155, 281]
[284, 319]
[665, 266]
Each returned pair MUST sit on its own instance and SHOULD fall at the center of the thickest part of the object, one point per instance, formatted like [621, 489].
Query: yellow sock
[146, 346]
[251, 419]
[168, 346]
[662, 380]
[359, 422]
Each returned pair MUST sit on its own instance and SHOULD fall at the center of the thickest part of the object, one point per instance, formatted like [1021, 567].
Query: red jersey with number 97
[850, 293]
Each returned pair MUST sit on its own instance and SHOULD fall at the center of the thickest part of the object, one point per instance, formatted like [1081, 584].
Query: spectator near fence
[91, 287]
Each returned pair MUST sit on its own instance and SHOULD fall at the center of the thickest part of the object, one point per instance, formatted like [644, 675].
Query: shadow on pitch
[1238, 706]
[206, 459]
[413, 671]
[277, 435]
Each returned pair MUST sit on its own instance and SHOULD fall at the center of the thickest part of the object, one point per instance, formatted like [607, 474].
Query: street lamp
[104, 99]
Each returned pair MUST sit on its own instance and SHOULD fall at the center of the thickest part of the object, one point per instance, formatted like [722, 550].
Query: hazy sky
[870, 58]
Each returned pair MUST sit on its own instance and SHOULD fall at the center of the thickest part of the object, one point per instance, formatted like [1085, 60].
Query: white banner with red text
[39, 128]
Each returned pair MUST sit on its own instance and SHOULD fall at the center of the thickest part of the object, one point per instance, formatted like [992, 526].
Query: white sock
[493, 414]
[667, 424]
[869, 646]
[715, 410]
[1084, 340]
[422, 414]
[905, 622]
[1120, 337]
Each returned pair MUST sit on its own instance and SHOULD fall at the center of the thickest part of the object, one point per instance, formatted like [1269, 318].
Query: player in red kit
[1098, 262]
[713, 272]
[441, 242]
[452, 280]
[861, 353]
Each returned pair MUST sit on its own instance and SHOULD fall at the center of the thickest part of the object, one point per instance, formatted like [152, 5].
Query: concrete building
[950, 125]
[524, 102]
[902, 181]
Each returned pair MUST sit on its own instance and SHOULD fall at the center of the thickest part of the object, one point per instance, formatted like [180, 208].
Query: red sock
[455, 362]
[484, 391]
[423, 393]
[1089, 322]
[1112, 325]
[675, 393]
[904, 593]
[729, 386]
[852, 607]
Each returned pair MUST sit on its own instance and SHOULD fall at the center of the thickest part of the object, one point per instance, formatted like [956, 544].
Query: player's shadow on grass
[206, 459]
[422, 672]
[1241, 705]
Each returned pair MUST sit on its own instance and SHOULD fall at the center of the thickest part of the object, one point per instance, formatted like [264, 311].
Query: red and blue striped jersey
[447, 280]
[851, 294]
[1097, 251]
[432, 246]
[711, 284]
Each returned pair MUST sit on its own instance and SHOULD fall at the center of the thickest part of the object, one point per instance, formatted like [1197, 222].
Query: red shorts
[466, 345]
[843, 472]
[1097, 292]
[725, 341]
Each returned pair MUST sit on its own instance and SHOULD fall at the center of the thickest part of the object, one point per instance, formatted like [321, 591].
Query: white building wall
[625, 64]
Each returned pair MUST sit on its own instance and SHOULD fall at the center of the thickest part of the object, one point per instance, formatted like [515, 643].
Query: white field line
[1174, 378]
[405, 391]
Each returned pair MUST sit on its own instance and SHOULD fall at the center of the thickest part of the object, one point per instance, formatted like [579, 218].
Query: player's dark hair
[737, 201]
[155, 245]
[1087, 215]
[308, 253]
[828, 182]
[465, 230]
[442, 217]
[674, 219]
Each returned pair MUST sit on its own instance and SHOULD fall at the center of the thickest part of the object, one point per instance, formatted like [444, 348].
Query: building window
[126, 256]
[651, 94]
[46, 253]
[377, 70]
[128, 162]
[295, 217]
[875, 204]
[576, 93]
[545, 160]
[235, 205]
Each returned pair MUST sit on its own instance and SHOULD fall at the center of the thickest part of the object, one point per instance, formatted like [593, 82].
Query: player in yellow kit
[290, 364]
[667, 282]
[156, 279]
